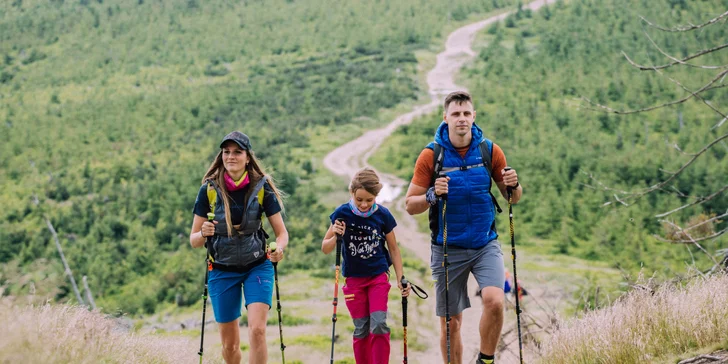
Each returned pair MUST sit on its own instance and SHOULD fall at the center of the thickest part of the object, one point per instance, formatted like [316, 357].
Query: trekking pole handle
[343, 222]
[404, 309]
[272, 246]
[444, 195]
[508, 188]
[339, 242]
[210, 218]
[404, 283]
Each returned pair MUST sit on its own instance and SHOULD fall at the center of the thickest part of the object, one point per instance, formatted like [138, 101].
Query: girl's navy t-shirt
[364, 250]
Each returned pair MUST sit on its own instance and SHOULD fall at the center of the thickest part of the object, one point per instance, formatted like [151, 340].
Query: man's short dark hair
[459, 97]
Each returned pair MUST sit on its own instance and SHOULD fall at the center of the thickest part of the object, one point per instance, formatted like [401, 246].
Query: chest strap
[462, 168]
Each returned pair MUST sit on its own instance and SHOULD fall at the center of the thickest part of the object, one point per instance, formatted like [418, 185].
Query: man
[470, 217]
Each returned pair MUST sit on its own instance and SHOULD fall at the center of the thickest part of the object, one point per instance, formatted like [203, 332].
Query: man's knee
[492, 301]
[378, 323]
[455, 323]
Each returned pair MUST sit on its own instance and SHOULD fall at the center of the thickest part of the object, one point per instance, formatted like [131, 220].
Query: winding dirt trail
[352, 156]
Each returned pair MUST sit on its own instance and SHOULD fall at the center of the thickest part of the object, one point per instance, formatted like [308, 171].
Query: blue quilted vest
[470, 213]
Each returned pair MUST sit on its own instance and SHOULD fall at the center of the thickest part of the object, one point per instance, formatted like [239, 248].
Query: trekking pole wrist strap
[418, 291]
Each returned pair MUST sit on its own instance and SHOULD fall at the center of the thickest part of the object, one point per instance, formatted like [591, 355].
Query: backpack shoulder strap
[258, 191]
[261, 194]
[211, 194]
[486, 152]
[437, 161]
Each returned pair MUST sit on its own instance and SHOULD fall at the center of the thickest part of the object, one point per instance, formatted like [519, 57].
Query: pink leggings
[366, 299]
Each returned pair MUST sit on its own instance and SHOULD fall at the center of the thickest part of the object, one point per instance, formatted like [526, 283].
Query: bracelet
[430, 196]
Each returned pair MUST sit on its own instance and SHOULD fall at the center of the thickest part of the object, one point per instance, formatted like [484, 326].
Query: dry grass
[66, 334]
[36, 333]
[647, 325]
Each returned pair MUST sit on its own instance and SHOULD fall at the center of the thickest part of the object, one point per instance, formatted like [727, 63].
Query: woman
[237, 243]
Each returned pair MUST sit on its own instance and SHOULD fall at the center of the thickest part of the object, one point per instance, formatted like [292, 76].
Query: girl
[237, 248]
[365, 226]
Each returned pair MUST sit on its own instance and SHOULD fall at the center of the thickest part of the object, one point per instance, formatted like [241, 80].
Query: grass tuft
[647, 325]
[72, 334]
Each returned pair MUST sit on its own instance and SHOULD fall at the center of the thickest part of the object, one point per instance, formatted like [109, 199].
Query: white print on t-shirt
[363, 241]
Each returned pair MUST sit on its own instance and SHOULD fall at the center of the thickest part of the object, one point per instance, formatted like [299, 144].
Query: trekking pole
[212, 200]
[419, 292]
[339, 241]
[208, 268]
[273, 247]
[404, 319]
[445, 264]
[509, 189]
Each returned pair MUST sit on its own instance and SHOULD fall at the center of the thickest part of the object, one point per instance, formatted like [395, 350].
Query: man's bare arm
[415, 201]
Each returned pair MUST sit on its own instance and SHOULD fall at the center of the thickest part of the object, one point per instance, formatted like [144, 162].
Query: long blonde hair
[216, 173]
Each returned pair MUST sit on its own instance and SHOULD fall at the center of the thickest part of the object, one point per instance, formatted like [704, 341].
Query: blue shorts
[225, 290]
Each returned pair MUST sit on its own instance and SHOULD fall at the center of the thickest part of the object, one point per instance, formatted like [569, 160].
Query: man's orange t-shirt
[425, 165]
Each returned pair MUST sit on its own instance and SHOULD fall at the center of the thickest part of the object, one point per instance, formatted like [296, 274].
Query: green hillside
[111, 111]
[528, 82]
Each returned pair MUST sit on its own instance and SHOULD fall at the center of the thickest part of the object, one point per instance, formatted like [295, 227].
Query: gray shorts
[485, 263]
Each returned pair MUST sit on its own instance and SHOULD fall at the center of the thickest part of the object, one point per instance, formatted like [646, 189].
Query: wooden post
[65, 263]
[60, 252]
[89, 295]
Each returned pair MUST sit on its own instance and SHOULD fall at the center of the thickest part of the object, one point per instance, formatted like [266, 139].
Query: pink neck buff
[236, 185]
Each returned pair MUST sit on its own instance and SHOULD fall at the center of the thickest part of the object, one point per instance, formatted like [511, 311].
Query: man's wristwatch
[430, 196]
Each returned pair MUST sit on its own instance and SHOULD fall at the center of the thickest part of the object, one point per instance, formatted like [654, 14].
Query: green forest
[530, 81]
[112, 111]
